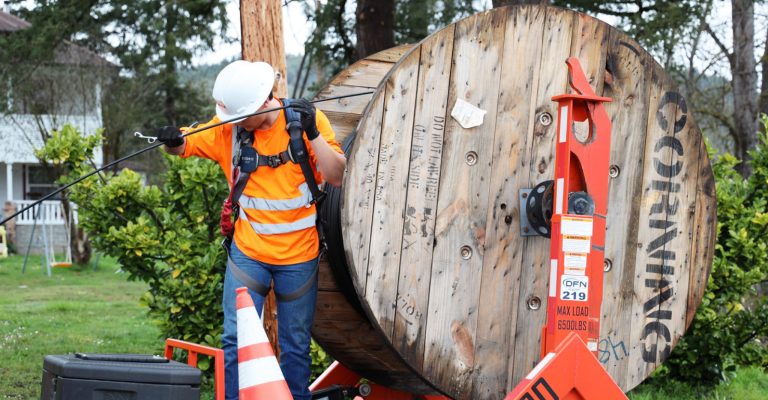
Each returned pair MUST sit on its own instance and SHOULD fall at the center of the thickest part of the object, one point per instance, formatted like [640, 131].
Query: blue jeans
[294, 319]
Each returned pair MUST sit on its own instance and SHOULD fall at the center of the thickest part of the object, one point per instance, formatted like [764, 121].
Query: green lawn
[748, 384]
[82, 310]
[75, 310]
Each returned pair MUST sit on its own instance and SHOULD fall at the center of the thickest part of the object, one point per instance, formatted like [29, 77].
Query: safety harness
[247, 160]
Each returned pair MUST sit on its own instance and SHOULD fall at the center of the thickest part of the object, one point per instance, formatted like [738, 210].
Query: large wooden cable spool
[448, 286]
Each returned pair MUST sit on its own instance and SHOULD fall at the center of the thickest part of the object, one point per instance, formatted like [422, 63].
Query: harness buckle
[319, 198]
[274, 161]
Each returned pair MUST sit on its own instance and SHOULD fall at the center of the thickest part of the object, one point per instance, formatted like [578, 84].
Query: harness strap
[300, 155]
[262, 289]
[241, 140]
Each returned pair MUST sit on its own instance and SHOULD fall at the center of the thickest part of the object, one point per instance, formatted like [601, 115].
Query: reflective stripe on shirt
[256, 203]
[274, 229]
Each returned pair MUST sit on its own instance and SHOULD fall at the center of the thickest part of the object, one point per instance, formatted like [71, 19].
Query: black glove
[307, 111]
[170, 136]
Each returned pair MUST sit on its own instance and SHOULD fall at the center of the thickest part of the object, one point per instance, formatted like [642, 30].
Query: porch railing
[49, 212]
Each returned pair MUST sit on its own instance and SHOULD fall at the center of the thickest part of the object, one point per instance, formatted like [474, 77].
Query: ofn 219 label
[574, 288]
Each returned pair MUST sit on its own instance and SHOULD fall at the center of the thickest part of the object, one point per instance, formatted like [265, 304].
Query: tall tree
[375, 26]
[742, 62]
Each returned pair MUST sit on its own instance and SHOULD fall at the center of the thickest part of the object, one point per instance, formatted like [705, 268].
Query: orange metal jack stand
[194, 350]
[571, 372]
[338, 374]
[578, 222]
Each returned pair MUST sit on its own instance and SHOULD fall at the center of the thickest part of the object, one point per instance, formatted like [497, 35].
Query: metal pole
[31, 236]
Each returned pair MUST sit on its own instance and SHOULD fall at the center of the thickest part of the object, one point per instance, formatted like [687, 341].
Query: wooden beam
[262, 36]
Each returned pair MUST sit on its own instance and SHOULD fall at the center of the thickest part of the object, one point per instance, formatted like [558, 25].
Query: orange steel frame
[579, 167]
[337, 374]
[569, 372]
[194, 350]
[568, 368]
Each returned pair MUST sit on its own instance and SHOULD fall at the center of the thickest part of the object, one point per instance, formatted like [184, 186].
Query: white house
[64, 91]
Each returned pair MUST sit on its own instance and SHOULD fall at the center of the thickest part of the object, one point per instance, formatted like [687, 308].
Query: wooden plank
[351, 333]
[421, 205]
[391, 183]
[343, 124]
[325, 279]
[534, 277]
[350, 105]
[359, 185]
[365, 73]
[392, 55]
[654, 249]
[704, 236]
[335, 307]
[462, 206]
[628, 86]
[497, 315]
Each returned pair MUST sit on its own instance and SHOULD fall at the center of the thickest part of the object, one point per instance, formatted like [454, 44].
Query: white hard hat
[241, 88]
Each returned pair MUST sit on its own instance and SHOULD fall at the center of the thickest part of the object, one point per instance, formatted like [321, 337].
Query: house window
[40, 182]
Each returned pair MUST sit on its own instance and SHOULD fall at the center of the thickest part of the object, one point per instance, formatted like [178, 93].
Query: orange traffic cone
[258, 371]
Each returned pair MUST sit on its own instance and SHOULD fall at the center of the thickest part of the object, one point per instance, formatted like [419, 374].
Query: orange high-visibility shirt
[279, 224]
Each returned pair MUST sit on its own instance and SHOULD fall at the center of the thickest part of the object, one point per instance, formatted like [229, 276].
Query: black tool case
[117, 377]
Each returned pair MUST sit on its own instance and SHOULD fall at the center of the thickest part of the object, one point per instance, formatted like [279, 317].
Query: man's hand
[307, 111]
[170, 136]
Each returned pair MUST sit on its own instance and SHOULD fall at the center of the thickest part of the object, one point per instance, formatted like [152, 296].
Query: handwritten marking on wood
[418, 233]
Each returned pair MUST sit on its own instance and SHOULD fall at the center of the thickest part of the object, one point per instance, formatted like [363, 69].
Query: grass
[85, 310]
[74, 310]
[748, 384]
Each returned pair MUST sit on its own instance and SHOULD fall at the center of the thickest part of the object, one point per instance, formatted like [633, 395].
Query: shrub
[167, 237]
[731, 325]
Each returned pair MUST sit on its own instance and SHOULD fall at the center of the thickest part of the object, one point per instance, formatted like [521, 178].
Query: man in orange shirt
[275, 236]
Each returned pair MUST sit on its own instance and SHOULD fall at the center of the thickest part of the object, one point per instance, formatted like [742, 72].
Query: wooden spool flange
[430, 210]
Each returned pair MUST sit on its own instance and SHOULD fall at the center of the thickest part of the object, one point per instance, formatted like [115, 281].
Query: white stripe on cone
[259, 371]
[247, 332]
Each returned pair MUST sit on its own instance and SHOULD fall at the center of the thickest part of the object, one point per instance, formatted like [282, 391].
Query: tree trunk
[502, 3]
[743, 69]
[375, 26]
[262, 33]
[78, 244]
[763, 104]
[169, 62]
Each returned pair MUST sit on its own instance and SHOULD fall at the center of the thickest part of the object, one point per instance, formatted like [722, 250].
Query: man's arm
[176, 151]
[330, 163]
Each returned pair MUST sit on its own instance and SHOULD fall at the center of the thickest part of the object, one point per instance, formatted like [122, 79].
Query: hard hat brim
[235, 118]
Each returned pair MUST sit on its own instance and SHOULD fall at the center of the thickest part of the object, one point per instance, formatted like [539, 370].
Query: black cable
[144, 150]
[330, 213]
